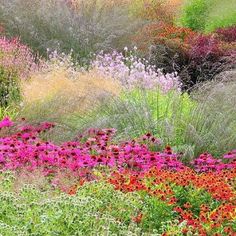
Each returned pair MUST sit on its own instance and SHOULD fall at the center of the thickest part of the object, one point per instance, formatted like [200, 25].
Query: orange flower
[137, 219]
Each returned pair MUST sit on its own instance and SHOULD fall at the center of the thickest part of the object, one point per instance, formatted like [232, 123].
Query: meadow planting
[117, 117]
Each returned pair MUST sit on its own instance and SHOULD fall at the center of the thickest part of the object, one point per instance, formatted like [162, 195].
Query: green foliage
[207, 16]
[194, 14]
[196, 197]
[222, 14]
[8, 111]
[156, 213]
[137, 112]
[9, 87]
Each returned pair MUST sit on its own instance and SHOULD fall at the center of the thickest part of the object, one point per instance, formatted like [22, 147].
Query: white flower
[126, 49]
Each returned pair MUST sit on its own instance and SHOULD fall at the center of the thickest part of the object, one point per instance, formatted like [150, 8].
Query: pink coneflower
[6, 122]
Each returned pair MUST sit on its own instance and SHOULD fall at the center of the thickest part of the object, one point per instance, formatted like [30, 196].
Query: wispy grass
[9, 111]
[140, 111]
[213, 124]
[54, 24]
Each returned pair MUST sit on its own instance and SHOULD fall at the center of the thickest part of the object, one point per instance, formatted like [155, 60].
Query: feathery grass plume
[54, 24]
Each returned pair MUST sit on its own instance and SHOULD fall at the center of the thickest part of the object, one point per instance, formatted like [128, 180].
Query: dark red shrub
[205, 47]
[227, 34]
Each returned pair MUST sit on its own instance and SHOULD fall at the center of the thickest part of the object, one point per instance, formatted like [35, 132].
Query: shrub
[227, 34]
[207, 16]
[194, 14]
[96, 209]
[195, 57]
[55, 25]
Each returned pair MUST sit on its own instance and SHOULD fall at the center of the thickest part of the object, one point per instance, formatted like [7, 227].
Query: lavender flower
[133, 72]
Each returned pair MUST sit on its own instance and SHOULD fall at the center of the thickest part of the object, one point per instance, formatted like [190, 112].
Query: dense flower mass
[133, 71]
[25, 149]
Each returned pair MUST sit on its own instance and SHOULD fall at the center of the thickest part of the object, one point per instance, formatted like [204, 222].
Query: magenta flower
[6, 122]
[230, 155]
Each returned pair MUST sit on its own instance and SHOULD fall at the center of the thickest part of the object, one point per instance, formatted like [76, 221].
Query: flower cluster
[134, 72]
[6, 122]
[206, 162]
[16, 57]
[190, 195]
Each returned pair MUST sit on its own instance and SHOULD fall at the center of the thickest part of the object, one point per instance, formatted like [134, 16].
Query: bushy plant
[96, 209]
[126, 202]
[61, 89]
[227, 34]
[56, 25]
[195, 57]
[159, 10]
[207, 16]
[195, 14]
[194, 125]
[140, 111]
[9, 87]
[16, 57]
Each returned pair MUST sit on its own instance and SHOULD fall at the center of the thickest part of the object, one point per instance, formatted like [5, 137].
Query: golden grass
[77, 93]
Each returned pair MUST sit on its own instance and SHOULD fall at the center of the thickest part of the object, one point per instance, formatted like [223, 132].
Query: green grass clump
[139, 111]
